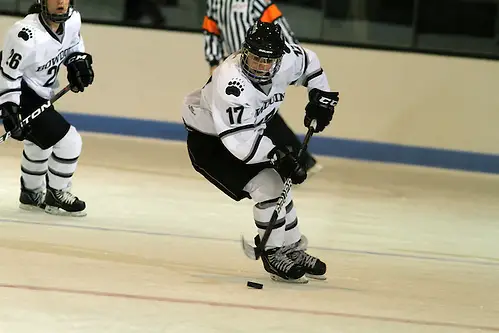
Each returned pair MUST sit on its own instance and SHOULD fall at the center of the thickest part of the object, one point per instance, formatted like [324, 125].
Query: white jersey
[33, 53]
[231, 107]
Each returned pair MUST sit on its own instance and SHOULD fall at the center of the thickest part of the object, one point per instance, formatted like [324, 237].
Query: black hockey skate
[63, 202]
[31, 199]
[314, 267]
[280, 267]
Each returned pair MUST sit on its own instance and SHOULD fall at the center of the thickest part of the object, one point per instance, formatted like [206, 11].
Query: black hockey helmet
[262, 51]
[56, 18]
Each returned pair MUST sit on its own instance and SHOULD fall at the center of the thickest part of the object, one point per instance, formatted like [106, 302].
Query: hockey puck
[254, 285]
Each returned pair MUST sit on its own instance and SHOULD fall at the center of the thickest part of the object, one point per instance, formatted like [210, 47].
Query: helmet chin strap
[55, 18]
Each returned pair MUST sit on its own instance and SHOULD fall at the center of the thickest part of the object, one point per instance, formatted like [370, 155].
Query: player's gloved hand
[286, 164]
[321, 108]
[80, 72]
[11, 116]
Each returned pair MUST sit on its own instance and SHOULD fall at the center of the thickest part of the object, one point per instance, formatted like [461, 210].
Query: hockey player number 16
[14, 59]
[233, 112]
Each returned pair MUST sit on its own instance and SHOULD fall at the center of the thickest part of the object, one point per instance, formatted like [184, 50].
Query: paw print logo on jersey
[25, 34]
[235, 87]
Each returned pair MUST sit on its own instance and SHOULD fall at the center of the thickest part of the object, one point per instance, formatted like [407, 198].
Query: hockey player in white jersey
[229, 145]
[33, 51]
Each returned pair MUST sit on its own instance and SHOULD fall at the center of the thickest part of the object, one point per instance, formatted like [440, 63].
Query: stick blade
[249, 250]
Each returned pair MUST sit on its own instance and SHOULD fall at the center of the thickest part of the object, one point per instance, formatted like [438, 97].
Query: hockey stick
[255, 252]
[38, 111]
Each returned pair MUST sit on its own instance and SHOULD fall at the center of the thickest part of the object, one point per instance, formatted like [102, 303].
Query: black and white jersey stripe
[227, 21]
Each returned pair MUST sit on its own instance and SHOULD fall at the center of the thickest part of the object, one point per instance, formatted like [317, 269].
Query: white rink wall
[394, 107]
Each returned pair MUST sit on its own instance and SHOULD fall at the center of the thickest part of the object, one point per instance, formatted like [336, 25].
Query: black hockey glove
[11, 116]
[321, 108]
[287, 165]
[80, 72]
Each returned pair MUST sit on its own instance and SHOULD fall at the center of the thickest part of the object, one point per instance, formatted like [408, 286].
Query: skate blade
[60, 212]
[316, 277]
[314, 170]
[31, 208]
[277, 278]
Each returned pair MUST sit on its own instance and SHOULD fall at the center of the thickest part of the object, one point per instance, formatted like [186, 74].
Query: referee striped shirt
[227, 21]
